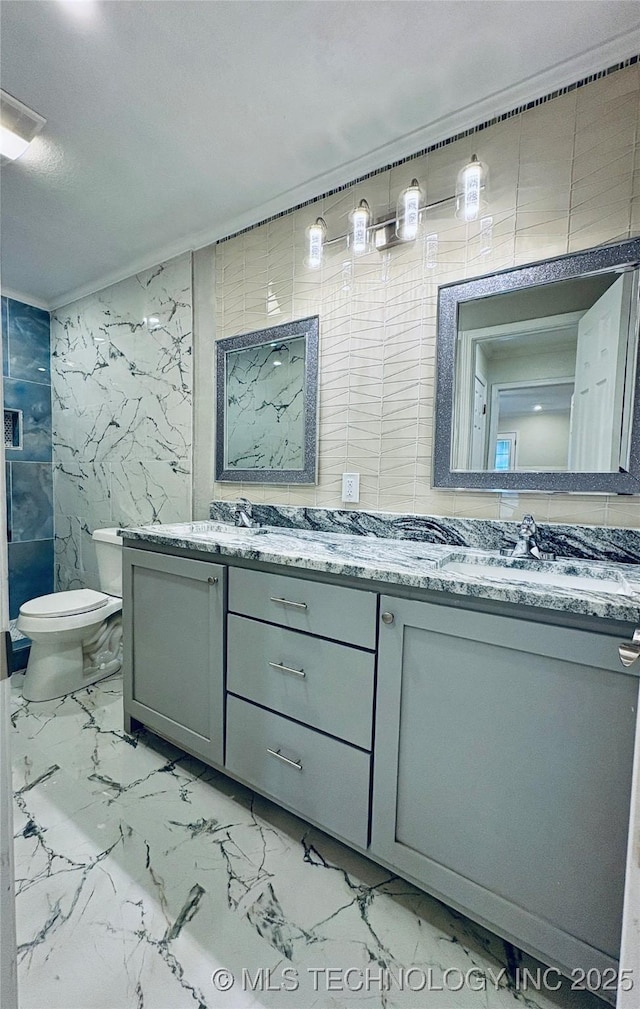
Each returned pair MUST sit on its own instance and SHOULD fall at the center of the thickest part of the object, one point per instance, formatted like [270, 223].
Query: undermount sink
[531, 572]
[211, 528]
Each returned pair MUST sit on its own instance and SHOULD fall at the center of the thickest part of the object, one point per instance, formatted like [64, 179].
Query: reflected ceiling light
[18, 126]
[471, 188]
[276, 359]
[316, 234]
[408, 212]
[538, 406]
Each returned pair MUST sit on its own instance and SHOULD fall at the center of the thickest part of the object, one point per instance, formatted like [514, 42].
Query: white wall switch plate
[350, 488]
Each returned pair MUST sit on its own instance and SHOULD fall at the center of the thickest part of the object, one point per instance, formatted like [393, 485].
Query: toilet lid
[64, 604]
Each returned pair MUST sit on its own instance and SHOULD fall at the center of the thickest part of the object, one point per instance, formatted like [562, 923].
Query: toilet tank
[109, 556]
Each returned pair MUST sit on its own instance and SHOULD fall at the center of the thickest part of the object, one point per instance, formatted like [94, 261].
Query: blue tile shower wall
[27, 388]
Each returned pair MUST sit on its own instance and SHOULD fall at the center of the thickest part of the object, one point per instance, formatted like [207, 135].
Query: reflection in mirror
[267, 403]
[542, 362]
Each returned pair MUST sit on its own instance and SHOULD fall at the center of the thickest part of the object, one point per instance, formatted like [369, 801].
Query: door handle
[629, 651]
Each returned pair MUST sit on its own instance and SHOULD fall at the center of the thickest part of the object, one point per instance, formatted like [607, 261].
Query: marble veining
[147, 880]
[122, 398]
[265, 407]
[411, 563]
[587, 542]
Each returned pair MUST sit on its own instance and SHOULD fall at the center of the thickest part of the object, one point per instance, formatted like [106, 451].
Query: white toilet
[76, 636]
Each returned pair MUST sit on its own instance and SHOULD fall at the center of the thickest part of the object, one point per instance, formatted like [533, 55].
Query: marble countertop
[613, 591]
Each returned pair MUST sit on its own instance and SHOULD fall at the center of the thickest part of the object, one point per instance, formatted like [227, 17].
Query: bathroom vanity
[464, 725]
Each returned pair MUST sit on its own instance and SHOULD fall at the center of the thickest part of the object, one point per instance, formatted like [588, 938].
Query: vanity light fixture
[316, 234]
[364, 232]
[471, 188]
[18, 126]
[408, 212]
[360, 221]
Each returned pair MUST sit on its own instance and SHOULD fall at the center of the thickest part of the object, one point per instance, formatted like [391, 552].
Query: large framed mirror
[267, 405]
[537, 376]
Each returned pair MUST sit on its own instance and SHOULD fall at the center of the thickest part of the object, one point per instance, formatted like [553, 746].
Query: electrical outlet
[350, 488]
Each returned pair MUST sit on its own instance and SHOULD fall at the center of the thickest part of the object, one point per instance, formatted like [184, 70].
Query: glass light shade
[316, 234]
[360, 220]
[471, 190]
[11, 145]
[408, 212]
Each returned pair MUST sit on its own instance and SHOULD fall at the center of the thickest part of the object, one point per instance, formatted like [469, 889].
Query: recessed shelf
[13, 429]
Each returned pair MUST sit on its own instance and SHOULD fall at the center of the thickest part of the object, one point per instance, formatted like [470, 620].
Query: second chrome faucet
[527, 543]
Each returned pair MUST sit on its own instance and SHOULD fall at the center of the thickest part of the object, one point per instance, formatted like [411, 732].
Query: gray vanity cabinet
[173, 611]
[502, 773]
[300, 693]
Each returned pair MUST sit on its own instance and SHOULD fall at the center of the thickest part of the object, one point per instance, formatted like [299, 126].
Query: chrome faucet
[527, 545]
[244, 513]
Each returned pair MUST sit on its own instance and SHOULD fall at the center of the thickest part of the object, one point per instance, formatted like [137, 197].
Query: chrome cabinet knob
[629, 651]
[388, 618]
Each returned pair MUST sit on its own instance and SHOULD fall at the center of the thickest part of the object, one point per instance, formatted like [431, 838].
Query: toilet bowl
[76, 636]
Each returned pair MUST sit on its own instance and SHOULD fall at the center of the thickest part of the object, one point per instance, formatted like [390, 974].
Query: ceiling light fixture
[18, 126]
[384, 233]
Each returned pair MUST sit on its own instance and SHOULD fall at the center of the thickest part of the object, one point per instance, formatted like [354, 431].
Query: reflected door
[599, 381]
[478, 441]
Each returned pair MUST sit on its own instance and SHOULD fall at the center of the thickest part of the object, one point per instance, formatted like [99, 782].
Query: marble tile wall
[564, 176]
[122, 400]
[27, 390]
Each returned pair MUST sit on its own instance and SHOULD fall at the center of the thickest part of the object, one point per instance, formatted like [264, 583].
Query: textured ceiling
[171, 124]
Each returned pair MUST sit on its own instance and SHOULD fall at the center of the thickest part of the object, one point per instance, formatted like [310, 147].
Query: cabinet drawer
[322, 779]
[329, 610]
[326, 685]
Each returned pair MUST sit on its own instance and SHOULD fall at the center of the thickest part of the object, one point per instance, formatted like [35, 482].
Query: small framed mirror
[267, 405]
[537, 376]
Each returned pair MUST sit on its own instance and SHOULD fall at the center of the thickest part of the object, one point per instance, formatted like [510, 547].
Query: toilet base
[67, 660]
[55, 671]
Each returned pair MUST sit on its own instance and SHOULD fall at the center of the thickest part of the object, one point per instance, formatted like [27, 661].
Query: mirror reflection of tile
[265, 406]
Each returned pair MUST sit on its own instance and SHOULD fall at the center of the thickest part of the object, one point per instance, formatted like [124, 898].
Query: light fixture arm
[378, 225]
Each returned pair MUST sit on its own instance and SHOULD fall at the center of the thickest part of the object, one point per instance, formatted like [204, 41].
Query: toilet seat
[64, 604]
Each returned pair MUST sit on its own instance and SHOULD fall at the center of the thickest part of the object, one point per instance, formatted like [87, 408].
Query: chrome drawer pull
[285, 760]
[287, 669]
[288, 602]
[629, 651]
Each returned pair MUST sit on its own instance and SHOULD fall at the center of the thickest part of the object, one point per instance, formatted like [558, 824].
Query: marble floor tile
[146, 880]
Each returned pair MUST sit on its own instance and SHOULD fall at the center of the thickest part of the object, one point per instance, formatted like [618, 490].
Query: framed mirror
[267, 405]
[537, 376]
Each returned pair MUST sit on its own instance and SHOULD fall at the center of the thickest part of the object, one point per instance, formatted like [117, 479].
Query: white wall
[542, 439]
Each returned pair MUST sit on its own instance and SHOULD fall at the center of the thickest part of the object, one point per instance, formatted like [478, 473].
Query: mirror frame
[309, 329]
[450, 296]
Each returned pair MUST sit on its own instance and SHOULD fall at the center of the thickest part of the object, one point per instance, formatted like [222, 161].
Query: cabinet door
[173, 611]
[502, 773]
